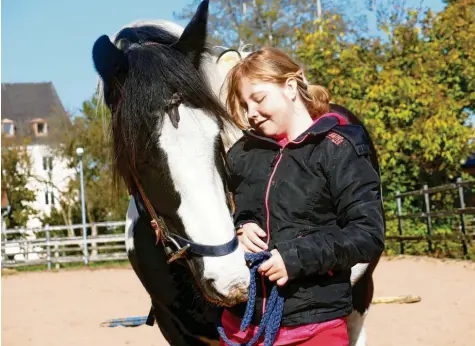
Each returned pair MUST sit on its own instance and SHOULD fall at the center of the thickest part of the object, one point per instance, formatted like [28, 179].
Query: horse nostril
[239, 293]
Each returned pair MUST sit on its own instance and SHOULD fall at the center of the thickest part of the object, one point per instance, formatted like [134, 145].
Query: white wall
[60, 176]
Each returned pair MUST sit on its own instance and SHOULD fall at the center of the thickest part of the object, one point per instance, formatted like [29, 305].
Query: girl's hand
[249, 237]
[274, 269]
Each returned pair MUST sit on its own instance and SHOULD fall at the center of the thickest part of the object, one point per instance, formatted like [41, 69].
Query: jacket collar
[321, 125]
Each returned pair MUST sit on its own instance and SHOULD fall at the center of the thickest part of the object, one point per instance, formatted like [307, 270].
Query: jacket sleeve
[358, 235]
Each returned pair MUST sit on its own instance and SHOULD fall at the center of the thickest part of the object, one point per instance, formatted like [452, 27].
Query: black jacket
[319, 197]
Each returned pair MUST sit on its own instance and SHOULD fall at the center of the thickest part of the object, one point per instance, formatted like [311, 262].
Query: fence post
[48, 248]
[399, 222]
[429, 221]
[94, 243]
[4, 236]
[85, 250]
[462, 217]
[56, 255]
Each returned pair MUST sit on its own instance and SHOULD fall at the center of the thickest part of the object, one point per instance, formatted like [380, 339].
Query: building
[33, 112]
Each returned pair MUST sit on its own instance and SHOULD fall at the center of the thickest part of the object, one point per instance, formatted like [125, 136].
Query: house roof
[23, 102]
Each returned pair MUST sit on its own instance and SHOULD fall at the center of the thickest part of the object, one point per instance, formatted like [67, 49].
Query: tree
[265, 22]
[390, 13]
[90, 131]
[452, 38]
[16, 172]
[413, 91]
[66, 210]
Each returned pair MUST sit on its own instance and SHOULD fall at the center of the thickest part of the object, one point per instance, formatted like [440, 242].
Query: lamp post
[319, 14]
[79, 152]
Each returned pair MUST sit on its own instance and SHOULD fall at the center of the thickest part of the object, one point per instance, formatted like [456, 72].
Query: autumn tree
[90, 131]
[16, 174]
[414, 91]
[267, 22]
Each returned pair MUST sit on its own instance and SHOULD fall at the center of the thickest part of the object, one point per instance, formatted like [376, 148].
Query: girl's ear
[290, 88]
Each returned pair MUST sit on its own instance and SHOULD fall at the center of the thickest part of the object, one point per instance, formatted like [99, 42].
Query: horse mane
[138, 102]
[230, 133]
[171, 27]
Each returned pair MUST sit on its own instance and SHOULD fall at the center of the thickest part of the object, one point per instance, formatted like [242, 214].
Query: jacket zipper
[274, 164]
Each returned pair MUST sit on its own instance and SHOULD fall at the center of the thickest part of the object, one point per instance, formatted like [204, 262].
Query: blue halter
[270, 322]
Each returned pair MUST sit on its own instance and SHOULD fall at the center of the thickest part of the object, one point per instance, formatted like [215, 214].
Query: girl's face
[269, 106]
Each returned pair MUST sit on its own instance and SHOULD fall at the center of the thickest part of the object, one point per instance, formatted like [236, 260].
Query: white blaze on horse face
[190, 155]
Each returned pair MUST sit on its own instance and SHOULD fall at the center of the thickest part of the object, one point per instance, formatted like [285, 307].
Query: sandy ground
[66, 308]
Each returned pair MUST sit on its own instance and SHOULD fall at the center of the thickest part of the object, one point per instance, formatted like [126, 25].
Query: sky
[51, 40]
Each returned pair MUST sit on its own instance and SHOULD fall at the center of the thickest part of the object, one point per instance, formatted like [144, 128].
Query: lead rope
[270, 322]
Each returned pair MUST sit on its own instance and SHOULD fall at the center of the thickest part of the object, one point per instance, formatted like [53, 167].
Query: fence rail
[464, 233]
[104, 241]
[440, 188]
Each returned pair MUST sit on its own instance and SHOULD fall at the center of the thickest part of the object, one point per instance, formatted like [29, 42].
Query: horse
[169, 128]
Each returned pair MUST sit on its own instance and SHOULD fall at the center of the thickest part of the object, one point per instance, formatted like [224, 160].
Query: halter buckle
[178, 254]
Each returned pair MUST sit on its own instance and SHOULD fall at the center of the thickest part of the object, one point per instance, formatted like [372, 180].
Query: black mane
[139, 93]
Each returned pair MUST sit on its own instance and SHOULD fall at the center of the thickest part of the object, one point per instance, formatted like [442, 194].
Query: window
[49, 197]
[8, 128]
[39, 127]
[48, 163]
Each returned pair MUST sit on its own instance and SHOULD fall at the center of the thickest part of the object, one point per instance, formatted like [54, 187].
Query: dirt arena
[66, 308]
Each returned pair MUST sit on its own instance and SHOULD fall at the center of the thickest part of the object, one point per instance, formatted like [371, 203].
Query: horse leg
[362, 293]
[356, 330]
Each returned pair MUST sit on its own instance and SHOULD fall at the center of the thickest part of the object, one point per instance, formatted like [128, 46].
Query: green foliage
[414, 89]
[414, 92]
[266, 22]
[16, 172]
[103, 201]
[412, 85]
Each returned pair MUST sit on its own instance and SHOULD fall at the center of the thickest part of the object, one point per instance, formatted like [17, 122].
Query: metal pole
[462, 217]
[399, 222]
[48, 247]
[319, 9]
[4, 228]
[429, 220]
[319, 14]
[80, 151]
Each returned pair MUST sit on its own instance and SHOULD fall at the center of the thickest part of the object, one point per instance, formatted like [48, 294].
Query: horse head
[160, 83]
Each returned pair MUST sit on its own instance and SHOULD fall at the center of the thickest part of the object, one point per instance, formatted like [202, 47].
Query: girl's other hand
[249, 236]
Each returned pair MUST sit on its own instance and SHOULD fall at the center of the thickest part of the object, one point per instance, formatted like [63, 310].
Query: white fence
[56, 245]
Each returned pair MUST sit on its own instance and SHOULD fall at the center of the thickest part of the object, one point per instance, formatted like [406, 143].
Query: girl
[305, 190]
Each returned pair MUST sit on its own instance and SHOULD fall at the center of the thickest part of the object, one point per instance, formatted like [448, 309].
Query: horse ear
[108, 59]
[193, 39]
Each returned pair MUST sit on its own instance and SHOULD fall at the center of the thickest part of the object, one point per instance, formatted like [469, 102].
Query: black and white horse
[161, 83]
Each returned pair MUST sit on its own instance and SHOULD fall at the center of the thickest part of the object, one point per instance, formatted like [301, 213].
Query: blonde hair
[272, 65]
